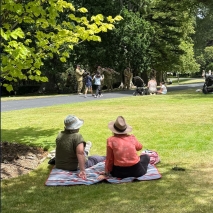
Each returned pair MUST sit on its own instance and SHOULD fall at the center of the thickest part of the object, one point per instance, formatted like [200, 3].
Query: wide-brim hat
[71, 122]
[119, 126]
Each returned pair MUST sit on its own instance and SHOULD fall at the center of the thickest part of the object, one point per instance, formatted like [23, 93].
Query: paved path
[67, 99]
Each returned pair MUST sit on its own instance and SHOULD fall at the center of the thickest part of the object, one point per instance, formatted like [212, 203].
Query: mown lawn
[178, 126]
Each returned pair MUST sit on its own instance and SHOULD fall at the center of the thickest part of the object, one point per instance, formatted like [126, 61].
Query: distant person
[98, 79]
[203, 74]
[71, 149]
[170, 81]
[102, 71]
[68, 81]
[88, 84]
[79, 76]
[152, 86]
[163, 89]
[127, 77]
[122, 159]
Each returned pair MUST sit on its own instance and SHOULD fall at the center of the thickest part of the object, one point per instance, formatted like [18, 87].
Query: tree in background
[38, 36]
[33, 31]
[153, 34]
[203, 37]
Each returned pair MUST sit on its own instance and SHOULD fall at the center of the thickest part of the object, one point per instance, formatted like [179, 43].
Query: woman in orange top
[122, 159]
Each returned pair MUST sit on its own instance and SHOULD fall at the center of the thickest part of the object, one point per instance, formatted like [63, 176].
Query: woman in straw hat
[122, 159]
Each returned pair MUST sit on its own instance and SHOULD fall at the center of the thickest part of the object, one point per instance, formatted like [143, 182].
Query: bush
[27, 89]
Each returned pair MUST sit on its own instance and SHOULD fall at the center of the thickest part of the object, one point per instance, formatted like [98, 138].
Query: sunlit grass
[178, 126]
[186, 80]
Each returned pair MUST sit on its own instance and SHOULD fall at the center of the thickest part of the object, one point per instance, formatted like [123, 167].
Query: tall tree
[33, 30]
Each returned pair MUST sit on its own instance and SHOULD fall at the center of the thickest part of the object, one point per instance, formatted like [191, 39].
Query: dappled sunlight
[177, 126]
[189, 187]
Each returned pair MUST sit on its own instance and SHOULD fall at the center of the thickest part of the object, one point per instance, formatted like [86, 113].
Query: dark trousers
[98, 90]
[92, 160]
[136, 170]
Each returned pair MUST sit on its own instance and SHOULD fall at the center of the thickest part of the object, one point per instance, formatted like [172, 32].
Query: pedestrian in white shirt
[98, 78]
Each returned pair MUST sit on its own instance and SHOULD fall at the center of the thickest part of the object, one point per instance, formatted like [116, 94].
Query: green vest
[66, 143]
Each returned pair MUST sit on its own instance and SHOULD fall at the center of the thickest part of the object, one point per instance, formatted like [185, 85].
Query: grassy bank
[178, 126]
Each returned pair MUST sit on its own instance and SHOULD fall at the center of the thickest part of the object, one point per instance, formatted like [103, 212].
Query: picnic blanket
[59, 177]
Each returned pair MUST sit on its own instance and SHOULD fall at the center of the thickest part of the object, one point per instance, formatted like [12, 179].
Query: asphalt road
[68, 99]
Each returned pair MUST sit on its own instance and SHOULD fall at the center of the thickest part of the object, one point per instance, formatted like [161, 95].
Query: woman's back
[124, 149]
[152, 85]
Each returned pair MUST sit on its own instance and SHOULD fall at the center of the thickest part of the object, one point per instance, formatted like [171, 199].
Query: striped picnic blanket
[59, 177]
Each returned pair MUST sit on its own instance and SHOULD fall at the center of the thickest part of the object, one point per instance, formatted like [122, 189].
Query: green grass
[186, 80]
[178, 126]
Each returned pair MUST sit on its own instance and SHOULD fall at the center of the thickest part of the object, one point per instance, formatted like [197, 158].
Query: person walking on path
[88, 84]
[71, 149]
[79, 76]
[98, 78]
[109, 73]
[102, 72]
[108, 79]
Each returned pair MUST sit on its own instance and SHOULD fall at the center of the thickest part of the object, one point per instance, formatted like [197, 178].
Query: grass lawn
[186, 80]
[178, 126]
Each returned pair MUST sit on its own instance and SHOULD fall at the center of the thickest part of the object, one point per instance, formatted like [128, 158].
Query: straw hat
[119, 126]
[71, 122]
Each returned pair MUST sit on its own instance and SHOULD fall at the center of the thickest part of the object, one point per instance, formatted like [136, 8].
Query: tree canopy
[33, 31]
[37, 36]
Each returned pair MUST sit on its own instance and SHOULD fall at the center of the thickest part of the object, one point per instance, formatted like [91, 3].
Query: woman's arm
[108, 163]
[109, 159]
[160, 90]
[138, 145]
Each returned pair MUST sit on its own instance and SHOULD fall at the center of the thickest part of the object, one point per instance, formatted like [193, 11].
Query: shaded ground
[18, 159]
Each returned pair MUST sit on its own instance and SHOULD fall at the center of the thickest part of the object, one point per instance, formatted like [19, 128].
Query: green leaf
[118, 18]
[63, 59]
[38, 72]
[3, 34]
[17, 33]
[83, 10]
[9, 87]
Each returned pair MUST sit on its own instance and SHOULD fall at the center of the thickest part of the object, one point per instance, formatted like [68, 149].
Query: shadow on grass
[173, 193]
[30, 136]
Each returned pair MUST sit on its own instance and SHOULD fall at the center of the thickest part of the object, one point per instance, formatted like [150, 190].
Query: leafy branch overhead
[33, 31]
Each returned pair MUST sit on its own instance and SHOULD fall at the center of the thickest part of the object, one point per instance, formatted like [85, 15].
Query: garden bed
[18, 159]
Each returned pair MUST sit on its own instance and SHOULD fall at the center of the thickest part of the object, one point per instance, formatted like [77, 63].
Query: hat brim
[111, 127]
[76, 126]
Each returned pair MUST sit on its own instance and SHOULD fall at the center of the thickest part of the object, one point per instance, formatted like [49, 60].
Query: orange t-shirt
[122, 151]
